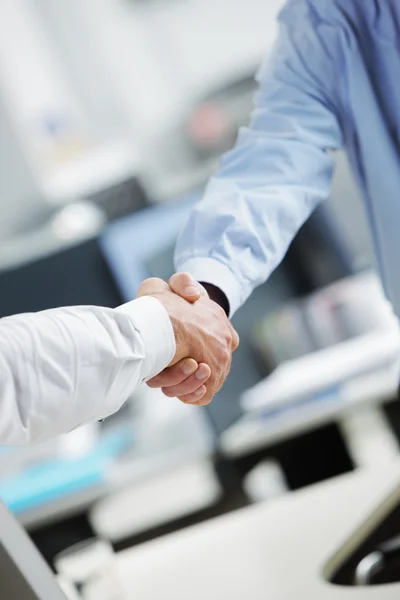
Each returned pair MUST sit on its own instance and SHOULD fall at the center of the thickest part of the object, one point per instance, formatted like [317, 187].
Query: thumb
[151, 286]
[185, 286]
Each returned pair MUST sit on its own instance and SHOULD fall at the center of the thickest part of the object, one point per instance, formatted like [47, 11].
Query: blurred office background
[113, 114]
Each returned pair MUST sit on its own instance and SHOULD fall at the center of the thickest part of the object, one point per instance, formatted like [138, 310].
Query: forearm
[279, 170]
[65, 367]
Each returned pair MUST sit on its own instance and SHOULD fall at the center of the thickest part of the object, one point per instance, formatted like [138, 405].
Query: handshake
[204, 339]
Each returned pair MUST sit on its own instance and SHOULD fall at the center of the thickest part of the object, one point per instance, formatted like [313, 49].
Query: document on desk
[310, 375]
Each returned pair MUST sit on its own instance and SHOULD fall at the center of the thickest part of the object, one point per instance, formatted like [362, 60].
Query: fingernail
[191, 290]
[188, 368]
[201, 373]
[197, 394]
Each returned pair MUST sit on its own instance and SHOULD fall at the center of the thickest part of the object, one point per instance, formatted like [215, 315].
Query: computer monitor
[131, 244]
[77, 275]
[24, 574]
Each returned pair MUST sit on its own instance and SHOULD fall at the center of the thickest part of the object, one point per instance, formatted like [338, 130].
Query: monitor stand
[24, 574]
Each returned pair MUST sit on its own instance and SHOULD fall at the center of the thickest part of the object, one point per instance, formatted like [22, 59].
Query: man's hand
[202, 332]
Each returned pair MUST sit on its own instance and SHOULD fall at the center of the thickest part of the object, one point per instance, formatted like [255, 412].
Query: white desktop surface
[271, 551]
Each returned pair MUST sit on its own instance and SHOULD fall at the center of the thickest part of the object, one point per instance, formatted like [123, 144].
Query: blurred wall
[135, 67]
[19, 196]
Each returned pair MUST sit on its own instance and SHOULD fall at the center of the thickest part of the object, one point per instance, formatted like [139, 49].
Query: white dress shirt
[65, 367]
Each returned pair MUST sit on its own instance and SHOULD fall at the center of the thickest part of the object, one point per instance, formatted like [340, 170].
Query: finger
[195, 398]
[202, 397]
[191, 384]
[185, 286]
[174, 375]
[235, 339]
[152, 286]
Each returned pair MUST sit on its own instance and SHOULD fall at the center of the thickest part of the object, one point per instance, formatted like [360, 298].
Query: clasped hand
[205, 340]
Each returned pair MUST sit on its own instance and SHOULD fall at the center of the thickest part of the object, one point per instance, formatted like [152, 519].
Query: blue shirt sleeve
[280, 167]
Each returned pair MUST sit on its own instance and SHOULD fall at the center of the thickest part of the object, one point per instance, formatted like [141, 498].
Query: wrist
[181, 350]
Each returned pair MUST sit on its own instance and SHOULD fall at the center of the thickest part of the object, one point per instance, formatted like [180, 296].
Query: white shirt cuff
[154, 325]
[210, 270]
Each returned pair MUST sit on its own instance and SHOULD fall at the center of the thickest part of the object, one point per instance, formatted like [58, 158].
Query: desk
[244, 555]
[45, 484]
[253, 432]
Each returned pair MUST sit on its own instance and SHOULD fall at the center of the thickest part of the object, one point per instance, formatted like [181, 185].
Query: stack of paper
[310, 375]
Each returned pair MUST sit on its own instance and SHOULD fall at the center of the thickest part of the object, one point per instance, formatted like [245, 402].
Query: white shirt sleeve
[65, 367]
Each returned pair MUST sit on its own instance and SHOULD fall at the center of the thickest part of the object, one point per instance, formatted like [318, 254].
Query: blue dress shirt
[332, 80]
